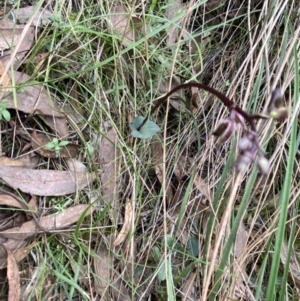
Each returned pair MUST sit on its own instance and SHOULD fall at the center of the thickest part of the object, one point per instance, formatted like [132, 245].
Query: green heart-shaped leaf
[148, 130]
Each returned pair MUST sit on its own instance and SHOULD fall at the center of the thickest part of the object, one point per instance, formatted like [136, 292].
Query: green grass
[244, 52]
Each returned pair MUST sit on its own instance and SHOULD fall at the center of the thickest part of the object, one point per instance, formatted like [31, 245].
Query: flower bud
[243, 163]
[279, 114]
[245, 143]
[263, 164]
[276, 107]
[224, 130]
[276, 99]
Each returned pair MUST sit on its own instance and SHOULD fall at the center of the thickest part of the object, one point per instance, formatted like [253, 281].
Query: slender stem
[224, 99]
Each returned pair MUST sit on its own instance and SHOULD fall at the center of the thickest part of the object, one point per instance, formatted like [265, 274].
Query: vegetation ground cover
[90, 212]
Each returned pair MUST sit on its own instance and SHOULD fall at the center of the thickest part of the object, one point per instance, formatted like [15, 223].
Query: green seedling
[56, 145]
[4, 113]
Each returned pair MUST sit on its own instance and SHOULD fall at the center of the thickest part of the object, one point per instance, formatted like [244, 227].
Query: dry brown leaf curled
[45, 182]
[48, 223]
[31, 97]
[28, 161]
[125, 24]
[126, 225]
[13, 277]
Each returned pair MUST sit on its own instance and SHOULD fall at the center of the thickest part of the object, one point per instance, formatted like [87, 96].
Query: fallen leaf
[32, 205]
[157, 161]
[183, 166]
[294, 266]
[45, 182]
[13, 278]
[125, 24]
[240, 240]
[176, 99]
[40, 140]
[49, 223]
[188, 287]
[172, 10]
[29, 161]
[75, 165]
[41, 17]
[31, 97]
[103, 266]
[7, 200]
[119, 291]
[126, 225]
[195, 99]
[10, 35]
[5, 81]
[58, 124]
[18, 248]
[202, 187]
[5, 11]
[108, 160]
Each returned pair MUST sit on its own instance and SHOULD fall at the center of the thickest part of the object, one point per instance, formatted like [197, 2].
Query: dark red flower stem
[224, 99]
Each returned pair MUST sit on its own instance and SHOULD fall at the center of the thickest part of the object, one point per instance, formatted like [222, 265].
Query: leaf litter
[33, 100]
[128, 27]
[108, 155]
[13, 277]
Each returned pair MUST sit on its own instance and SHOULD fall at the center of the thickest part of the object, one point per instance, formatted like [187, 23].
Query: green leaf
[63, 143]
[148, 130]
[161, 274]
[6, 115]
[3, 106]
[50, 145]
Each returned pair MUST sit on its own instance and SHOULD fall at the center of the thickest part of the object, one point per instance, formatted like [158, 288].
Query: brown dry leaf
[45, 182]
[5, 82]
[126, 225]
[19, 251]
[32, 205]
[240, 240]
[75, 165]
[7, 200]
[188, 287]
[119, 291]
[157, 161]
[202, 186]
[10, 34]
[108, 159]
[125, 24]
[241, 291]
[49, 223]
[40, 140]
[173, 8]
[177, 97]
[38, 61]
[294, 267]
[183, 166]
[103, 266]
[31, 98]
[58, 124]
[195, 99]
[13, 278]
[23, 15]
[29, 161]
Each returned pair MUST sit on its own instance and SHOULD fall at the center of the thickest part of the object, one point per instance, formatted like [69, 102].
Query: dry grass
[180, 184]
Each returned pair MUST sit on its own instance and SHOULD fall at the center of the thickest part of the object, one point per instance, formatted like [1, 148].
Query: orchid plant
[249, 146]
